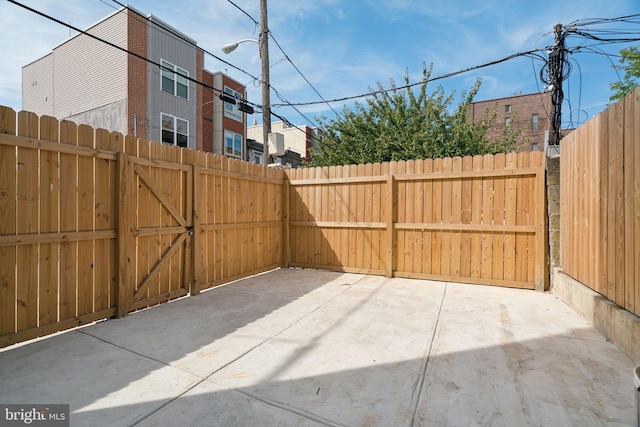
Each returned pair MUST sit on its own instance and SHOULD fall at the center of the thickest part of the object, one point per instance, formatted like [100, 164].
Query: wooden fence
[477, 220]
[600, 203]
[94, 224]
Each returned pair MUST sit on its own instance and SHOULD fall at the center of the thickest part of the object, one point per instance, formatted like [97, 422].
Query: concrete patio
[316, 348]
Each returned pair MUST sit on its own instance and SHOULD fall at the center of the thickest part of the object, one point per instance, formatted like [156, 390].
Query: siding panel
[84, 66]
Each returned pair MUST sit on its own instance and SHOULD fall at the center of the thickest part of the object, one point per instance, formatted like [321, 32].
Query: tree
[630, 64]
[403, 124]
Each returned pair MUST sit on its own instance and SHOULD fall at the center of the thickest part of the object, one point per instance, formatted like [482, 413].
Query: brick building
[89, 82]
[529, 113]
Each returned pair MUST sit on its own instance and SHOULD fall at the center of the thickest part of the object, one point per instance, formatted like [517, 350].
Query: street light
[228, 48]
[263, 42]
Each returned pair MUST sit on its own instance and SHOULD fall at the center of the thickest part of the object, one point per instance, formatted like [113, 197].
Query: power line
[292, 64]
[115, 46]
[440, 77]
[302, 75]
[142, 19]
[160, 66]
[245, 12]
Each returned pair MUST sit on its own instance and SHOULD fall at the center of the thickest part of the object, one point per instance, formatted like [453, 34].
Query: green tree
[404, 123]
[630, 64]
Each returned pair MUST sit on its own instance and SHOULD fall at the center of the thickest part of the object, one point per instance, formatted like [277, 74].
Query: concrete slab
[313, 348]
[103, 383]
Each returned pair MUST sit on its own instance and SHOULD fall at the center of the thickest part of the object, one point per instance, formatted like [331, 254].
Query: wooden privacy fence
[600, 203]
[477, 220]
[94, 224]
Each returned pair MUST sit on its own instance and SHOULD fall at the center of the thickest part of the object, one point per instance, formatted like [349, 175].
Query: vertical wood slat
[436, 212]
[8, 226]
[510, 219]
[407, 251]
[465, 218]
[126, 241]
[368, 217]
[445, 258]
[85, 290]
[476, 219]
[49, 186]
[104, 220]
[629, 145]
[68, 222]
[487, 219]
[401, 217]
[27, 223]
[635, 130]
[456, 217]
[522, 218]
[499, 218]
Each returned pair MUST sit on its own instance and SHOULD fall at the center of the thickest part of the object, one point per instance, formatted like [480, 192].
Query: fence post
[286, 254]
[390, 211]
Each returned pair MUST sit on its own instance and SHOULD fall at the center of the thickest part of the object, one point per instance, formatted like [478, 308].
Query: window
[534, 147]
[507, 122]
[232, 144]
[175, 131]
[175, 82]
[534, 122]
[257, 158]
[507, 109]
[231, 110]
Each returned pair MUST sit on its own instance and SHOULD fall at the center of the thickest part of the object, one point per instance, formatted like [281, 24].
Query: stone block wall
[553, 210]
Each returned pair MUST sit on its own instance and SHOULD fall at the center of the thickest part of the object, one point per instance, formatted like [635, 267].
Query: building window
[534, 147]
[507, 109]
[257, 158]
[175, 82]
[232, 144]
[231, 110]
[175, 131]
[534, 122]
[507, 125]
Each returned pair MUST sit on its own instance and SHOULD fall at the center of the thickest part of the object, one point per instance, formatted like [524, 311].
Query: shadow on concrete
[301, 347]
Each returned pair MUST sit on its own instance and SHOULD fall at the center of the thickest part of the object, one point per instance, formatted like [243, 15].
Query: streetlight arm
[228, 48]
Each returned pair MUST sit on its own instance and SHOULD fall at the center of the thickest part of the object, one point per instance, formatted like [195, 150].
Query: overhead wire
[431, 79]
[120, 48]
[290, 61]
[254, 78]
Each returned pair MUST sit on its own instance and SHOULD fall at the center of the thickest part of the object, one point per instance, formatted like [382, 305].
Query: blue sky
[345, 47]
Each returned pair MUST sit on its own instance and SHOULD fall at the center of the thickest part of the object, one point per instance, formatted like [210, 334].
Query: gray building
[90, 82]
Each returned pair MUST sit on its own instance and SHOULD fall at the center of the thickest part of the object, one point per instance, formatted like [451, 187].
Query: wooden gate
[155, 231]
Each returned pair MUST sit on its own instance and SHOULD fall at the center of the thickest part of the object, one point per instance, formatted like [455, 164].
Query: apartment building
[90, 82]
[528, 113]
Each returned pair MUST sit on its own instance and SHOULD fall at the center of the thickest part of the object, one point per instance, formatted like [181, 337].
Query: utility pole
[556, 69]
[266, 103]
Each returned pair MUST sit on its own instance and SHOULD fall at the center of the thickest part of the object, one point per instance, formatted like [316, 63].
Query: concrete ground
[316, 348]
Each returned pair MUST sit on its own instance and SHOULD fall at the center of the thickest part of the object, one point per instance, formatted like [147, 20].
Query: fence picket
[8, 211]
[27, 223]
[49, 204]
